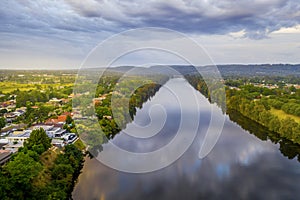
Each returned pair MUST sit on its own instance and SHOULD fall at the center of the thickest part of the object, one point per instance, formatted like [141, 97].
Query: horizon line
[139, 66]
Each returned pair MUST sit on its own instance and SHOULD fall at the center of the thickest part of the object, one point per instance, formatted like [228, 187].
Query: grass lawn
[281, 115]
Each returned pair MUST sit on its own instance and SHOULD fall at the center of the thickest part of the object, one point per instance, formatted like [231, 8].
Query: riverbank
[266, 106]
[287, 147]
[239, 164]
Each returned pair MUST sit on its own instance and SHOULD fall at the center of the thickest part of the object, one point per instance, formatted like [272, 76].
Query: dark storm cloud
[257, 17]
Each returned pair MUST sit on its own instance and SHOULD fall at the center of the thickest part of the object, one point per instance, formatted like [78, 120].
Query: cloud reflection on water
[239, 167]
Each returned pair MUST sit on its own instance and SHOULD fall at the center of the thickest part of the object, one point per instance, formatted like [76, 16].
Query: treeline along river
[248, 161]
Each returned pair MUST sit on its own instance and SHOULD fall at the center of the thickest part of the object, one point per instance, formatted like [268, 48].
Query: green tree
[2, 122]
[38, 141]
[3, 111]
[21, 171]
[274, 124]
[287, 126]
[69, 119]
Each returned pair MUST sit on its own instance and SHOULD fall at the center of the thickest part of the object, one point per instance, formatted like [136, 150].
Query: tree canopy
[38, 141]
[2, 122]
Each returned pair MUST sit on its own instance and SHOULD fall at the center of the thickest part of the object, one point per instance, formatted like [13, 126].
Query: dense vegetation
[37, 172]
[258, 103]
[287, 147]
[212, 88]
[121, 96]
[253, 103]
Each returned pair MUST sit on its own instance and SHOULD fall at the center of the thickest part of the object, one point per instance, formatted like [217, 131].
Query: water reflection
[287, 148]
[241, 166]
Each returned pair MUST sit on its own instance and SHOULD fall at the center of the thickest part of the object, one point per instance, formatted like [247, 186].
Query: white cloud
[284, 30]
[238, 34]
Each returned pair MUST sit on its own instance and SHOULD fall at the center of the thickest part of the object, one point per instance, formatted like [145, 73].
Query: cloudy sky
[61, 33]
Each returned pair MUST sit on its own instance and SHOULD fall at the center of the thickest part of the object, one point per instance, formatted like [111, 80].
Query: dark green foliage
[19, 174]
[38, 141]
[3, 111]
[66, 170]
[69, 119]
[39, 114]
[18, 177]
[2, 122]
[275, 103]
[31, 96]
[291, 108]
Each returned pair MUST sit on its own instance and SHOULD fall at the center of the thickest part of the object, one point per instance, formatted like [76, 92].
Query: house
[53, 131]
[56, 132]
[3, 142]
[10, 117]
[19, 112]
[69, 138]
[4, 156]
[107, 117]
[97, 101]
[16, 140]
[55, 101]
[58, 143]
[9, 105]
[60, 119]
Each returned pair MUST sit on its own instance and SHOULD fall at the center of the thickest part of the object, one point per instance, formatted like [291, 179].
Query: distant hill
[225, 70]
[260, 70]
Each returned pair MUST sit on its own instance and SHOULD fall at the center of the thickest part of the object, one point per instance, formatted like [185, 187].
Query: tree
[5, 187]
[2, 122]
[287, 126]
[38, 141]
[3, 111]
[21, 172]
[69, 119]
[274, 124]
[292, 89]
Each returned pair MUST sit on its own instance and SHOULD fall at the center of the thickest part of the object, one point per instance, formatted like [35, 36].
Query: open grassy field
[281, 114]
[7, 87]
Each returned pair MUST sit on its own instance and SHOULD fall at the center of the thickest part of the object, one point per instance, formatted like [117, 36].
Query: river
[240, 166]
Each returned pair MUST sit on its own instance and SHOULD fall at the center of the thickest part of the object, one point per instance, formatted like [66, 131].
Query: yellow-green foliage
[282, 115]
[47, 159]
[79, 144]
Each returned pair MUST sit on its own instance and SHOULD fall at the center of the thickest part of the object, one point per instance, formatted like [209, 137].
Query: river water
[240, 166]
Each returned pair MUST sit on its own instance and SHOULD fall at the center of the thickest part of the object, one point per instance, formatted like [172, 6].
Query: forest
[275, 104]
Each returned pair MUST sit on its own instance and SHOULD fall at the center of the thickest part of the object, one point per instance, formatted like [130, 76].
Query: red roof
[61, 118]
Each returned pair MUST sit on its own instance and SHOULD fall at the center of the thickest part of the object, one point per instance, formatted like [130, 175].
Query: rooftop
[4, 156]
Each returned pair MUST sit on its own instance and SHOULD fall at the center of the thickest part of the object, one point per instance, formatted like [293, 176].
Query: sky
[56, 34]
